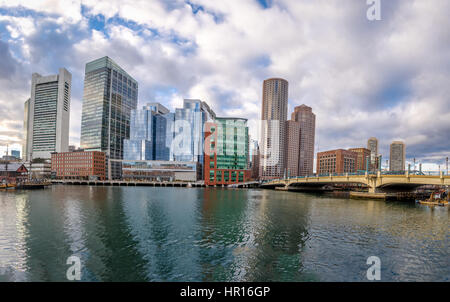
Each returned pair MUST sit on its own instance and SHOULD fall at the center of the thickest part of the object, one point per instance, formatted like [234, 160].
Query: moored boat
[8, 186]
[440, 198]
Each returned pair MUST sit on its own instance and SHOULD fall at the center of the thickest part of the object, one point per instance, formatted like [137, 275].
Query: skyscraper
[372, 145]
[307, 122]
[397, 156]
[15, 153]
[292, 147]
[189, 130]
[164, 134]
[47, 115]
[255, 160]
[110, 94]
[151, 133]
[273, 116]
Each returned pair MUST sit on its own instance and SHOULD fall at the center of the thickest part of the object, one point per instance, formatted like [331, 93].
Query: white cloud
[387, 79]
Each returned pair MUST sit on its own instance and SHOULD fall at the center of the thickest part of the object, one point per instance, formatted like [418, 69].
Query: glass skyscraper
[110, 94]
[189, 130]
[164, 133]
[151, 134]
[157, 134]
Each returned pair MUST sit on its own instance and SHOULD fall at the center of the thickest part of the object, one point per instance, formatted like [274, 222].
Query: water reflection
[13, 234]
[181, 234]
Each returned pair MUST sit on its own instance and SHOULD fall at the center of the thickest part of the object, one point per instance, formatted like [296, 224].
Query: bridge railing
[359, 173]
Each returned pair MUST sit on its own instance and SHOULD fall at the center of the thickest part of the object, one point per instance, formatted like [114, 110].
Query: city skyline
[401, 90]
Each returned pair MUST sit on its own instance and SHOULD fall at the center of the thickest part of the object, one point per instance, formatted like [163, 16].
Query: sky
[388, 78]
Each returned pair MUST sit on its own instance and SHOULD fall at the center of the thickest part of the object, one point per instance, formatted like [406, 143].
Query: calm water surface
[196, 234]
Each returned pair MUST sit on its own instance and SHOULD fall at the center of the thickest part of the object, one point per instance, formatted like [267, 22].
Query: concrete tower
[274, 113]
[47, 115]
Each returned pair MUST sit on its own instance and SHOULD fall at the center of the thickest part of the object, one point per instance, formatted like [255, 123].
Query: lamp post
[367, 164]
[446, 162]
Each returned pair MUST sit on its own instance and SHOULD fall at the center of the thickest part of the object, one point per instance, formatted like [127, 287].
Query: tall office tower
[292, 147]
[226, 152]
[397, 156]
[372, 145]
[47, 115]
[164, 134]
[141, 144]
[190, 129]
[255, 160]
[273, 116]
[110, 94]
[307, 120]
[26, 109]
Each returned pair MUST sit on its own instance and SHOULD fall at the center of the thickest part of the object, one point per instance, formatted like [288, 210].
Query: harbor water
[212, 234]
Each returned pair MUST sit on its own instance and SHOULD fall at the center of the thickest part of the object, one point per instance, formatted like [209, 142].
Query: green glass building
[227, 158]
[110, 94]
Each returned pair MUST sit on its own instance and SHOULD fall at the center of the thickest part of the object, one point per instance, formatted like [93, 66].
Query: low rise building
[336, 162]
[160, 170]
[78, 165]
[39, 168]
[226, 151]
[363, 159]
[13, 172]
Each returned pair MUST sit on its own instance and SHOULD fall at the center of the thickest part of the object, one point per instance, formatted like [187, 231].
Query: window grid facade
[109, 96]
[273, 116]
[226, 151]
[336, 162]
[79, 165]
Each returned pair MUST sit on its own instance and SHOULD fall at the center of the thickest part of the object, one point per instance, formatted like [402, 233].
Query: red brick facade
[336, 161]
[363, 155]
[79, 165]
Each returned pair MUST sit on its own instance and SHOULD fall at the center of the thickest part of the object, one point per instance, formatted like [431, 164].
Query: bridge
[248, 184]
[375, 182]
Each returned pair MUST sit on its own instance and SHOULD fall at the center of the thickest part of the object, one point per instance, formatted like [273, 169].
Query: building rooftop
[11, 167]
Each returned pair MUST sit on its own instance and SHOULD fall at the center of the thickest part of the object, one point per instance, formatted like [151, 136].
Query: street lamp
[446, 160]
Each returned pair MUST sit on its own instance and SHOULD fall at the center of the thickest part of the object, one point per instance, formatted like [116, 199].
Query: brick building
[79, 165]
[362, 159]
[336, 161]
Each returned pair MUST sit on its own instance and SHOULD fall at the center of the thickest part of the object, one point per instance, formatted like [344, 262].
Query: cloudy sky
[389, 78]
